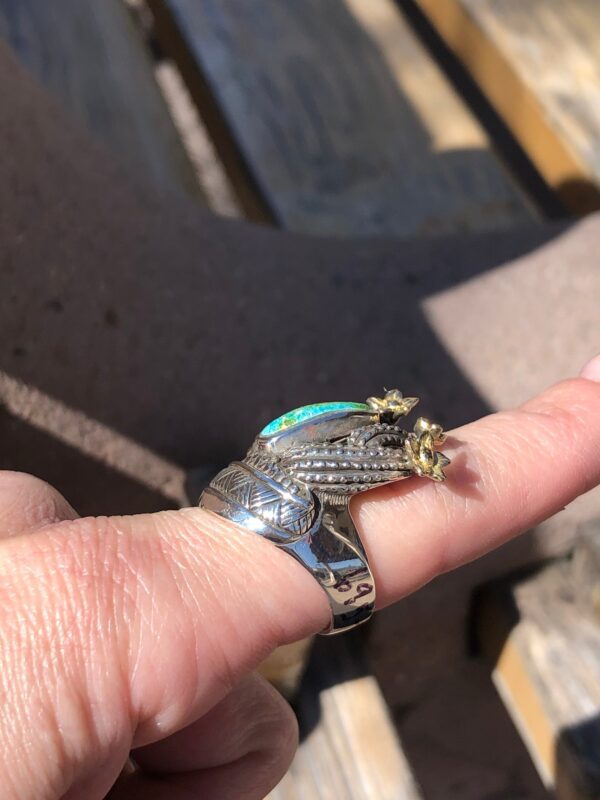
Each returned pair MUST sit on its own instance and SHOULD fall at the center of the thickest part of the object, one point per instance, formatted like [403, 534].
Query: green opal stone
[306, 413]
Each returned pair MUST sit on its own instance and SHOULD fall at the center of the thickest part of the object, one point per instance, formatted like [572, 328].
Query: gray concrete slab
[141, 336]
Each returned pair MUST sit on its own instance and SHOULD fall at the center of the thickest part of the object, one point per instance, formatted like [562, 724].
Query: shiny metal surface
[294, 485]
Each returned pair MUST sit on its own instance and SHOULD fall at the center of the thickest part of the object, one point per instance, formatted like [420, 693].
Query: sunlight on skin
[119, 633]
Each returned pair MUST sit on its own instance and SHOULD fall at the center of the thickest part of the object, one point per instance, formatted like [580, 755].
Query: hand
[141, 632]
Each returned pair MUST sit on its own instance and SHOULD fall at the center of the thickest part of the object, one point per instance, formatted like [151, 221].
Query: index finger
[509, 471]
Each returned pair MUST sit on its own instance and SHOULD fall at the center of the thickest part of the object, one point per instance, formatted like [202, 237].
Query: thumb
[131, 628]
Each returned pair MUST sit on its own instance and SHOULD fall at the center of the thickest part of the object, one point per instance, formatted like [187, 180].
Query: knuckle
[64, 585]
[21, 482]
[273, 730]
[37, 502]
[279, 721]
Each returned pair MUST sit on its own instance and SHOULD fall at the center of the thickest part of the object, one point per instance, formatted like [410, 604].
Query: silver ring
[294, 485]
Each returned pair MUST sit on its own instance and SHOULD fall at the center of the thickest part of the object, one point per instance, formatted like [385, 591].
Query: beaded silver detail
[294, 485]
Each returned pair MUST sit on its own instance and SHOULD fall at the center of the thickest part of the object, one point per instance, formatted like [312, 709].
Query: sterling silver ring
[294, 485]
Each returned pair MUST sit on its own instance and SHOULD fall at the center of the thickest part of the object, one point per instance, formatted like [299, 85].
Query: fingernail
[591, 371]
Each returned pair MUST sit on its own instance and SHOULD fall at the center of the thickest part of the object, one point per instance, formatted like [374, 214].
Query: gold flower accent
[420, 447]
[393, 405]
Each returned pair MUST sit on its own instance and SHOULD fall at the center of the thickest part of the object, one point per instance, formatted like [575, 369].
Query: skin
[120, 634]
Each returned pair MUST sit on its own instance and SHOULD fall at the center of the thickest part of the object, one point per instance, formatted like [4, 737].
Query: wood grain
[546, 655]
[344, 123]
[91, 57]
[349, 746]
[586, 567]
[539, 64]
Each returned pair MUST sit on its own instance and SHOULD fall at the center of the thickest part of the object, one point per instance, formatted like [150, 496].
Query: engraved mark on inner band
[362, 590]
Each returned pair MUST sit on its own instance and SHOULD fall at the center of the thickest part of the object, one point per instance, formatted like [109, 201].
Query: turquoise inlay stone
[305, 413]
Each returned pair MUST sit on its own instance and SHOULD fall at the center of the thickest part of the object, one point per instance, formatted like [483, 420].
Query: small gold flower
[423, 425]
[420, 447]
[393, 405]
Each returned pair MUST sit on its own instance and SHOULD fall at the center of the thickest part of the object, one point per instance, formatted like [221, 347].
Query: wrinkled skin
[141, 633]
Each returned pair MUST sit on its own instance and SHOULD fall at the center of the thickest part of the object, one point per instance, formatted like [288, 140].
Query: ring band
[294, 485]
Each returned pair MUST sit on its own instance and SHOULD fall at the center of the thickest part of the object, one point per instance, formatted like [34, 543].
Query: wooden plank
[349, 748]
[586, 567]
[539, 64]
[91, 57]
[344, 122]
[546, 655]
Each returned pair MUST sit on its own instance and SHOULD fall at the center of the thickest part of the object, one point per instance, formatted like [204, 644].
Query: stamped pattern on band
[302, 470]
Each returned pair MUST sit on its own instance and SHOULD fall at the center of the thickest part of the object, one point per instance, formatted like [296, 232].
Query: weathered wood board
[546, 654]
[349, 747]
[344, 122]
[539, 64]
[91, 57]
[586, 568]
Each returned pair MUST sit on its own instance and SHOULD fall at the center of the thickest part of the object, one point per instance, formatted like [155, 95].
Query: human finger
[28, 503]
[509, 471]
[238, 751]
